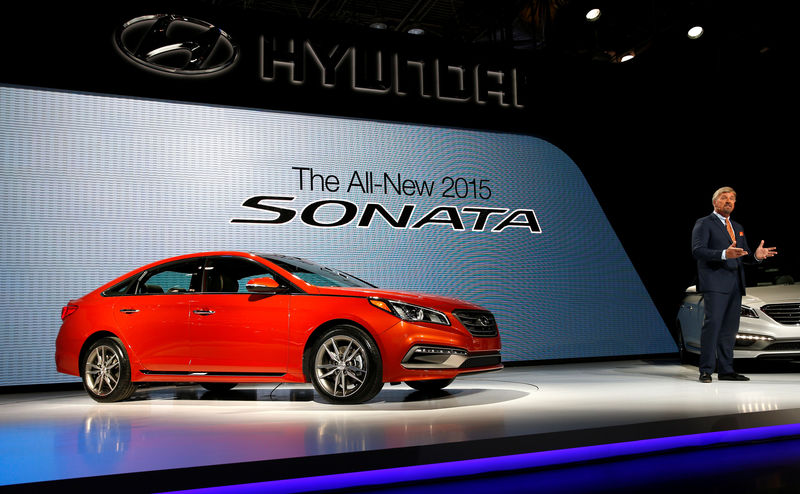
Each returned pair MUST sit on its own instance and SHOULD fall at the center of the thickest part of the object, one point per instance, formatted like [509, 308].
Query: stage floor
[63, 435]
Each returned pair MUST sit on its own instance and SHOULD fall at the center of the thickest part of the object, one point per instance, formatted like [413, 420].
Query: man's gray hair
[721, 191]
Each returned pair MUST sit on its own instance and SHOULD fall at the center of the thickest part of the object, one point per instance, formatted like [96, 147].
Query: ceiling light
[378, 25]
[593, 15]
[627, 57]
[695, 32]
[416, 31]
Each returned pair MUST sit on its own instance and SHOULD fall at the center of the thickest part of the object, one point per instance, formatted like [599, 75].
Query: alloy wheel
[102, 371]
[341, 366]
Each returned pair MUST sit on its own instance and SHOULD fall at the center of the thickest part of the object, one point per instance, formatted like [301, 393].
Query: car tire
[431, 385]
[218, 387]
[686, 357]
[346, 366]
[106, 371]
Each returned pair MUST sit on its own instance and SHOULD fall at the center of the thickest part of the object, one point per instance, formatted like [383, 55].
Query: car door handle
[204, 312]
[129, 311]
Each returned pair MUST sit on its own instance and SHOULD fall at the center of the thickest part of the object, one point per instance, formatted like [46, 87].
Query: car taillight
[67, 310]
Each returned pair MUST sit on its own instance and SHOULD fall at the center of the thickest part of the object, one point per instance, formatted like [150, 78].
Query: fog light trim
[434, 357]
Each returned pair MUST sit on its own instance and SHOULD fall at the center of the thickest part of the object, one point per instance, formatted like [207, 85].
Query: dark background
[654, 137]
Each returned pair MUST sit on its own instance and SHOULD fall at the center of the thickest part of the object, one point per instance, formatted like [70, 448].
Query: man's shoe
[733, 377]
[705, 377]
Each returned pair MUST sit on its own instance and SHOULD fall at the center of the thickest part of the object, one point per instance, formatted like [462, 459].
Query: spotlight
[417, 31]
[378, 25]
[626, 57]
[695, 32]
[593, 15]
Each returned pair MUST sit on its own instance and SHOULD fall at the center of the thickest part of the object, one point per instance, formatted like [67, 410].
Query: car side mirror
[264, 285]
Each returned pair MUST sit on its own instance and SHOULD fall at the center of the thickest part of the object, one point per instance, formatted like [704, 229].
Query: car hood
[773, 294]
[423, 299]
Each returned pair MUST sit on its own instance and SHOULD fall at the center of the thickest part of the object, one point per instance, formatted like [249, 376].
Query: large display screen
[94, 186]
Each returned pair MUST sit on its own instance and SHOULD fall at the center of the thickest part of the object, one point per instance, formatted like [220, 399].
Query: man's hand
[733, 252]
[765, 252]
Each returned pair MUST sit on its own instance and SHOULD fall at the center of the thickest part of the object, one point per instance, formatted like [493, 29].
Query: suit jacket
[709, 239]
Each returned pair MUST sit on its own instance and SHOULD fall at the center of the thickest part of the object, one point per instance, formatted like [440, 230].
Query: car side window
[174, 278]
[230, 274]
[122, 288]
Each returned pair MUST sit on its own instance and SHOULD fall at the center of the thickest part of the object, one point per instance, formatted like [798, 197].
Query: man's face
[725, 203]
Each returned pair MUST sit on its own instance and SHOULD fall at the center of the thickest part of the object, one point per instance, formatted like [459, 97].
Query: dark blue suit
[722, 284]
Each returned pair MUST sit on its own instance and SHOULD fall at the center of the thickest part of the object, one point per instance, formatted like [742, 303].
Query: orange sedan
[222, 318]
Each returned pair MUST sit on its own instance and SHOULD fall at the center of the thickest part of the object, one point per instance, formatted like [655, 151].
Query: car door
[234, 331]
[154, 317]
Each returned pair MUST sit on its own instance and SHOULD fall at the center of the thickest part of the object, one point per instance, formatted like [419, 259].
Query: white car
[770, 319]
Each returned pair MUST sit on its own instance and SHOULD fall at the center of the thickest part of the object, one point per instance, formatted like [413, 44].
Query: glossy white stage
[266, 431]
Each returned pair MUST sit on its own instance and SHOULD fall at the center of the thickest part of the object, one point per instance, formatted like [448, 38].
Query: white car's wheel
[686, 356]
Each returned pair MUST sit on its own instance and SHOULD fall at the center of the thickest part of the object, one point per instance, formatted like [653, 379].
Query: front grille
[479, 323]
[783, 313]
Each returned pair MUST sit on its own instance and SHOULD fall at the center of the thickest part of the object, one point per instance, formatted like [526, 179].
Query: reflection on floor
[170, 438]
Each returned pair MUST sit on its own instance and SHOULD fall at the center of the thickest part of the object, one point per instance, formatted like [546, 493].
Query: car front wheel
[346, 366]
[106, 371]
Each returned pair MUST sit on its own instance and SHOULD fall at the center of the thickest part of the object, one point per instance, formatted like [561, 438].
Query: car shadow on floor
[390, 395]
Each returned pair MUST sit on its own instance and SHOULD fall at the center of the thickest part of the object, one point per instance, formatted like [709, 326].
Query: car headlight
[410, 312]
[748, 311]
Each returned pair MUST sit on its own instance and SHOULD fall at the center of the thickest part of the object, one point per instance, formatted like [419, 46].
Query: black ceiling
[739, 33]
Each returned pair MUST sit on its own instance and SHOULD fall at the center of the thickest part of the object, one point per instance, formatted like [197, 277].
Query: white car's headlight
[410, 312]
[748, 311]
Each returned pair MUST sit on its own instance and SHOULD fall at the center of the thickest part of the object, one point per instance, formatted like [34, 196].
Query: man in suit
[720, 247]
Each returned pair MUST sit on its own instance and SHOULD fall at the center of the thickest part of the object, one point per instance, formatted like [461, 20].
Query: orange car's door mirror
[263, 285]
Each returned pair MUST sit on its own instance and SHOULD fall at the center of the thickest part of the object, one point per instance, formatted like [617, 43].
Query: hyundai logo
[177, 45]
[484, 321]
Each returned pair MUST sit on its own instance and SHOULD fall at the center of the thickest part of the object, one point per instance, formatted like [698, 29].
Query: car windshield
[772, 272]
[315, 274]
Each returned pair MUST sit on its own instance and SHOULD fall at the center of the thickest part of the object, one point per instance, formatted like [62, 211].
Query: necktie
[730, 230]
